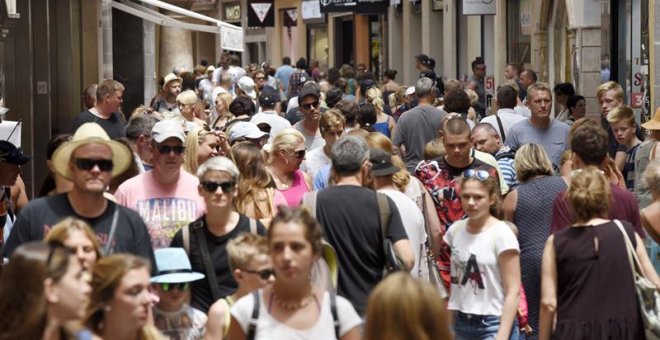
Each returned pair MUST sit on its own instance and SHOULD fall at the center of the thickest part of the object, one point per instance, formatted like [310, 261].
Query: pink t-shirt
[298, 188]
[164, 208]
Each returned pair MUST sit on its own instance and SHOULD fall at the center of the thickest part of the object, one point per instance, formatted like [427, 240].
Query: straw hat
[170, 78]
[653, 124]
[86, 134]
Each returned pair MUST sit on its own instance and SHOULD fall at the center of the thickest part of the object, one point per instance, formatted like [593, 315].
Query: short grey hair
[219, 163]
[424, 86]
[348, 154]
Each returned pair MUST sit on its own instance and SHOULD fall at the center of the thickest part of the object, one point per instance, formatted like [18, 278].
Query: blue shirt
[282, 75]
[322, 178]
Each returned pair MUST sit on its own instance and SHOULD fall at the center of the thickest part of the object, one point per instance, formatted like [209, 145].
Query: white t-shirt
[413, 223]
[186, 324]
[508, 117]
[276, 122]
[269, 328]
[314, 161]
[476, 283]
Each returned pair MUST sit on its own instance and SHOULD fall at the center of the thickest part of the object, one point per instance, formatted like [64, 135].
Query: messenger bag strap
[499, 123]
[198, 229]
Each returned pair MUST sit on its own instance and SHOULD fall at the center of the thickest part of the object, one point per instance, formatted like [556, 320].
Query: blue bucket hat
[174, 267]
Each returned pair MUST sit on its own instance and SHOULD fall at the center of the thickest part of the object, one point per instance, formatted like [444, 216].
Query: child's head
[434, 149]
[622, 120]
[174, 277]
[249, 261]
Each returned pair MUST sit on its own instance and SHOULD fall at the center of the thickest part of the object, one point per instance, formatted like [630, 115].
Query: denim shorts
[479, 327]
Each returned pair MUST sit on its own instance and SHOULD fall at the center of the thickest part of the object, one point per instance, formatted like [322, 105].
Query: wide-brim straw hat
[653, 124]
[86, 134]
[170, 78]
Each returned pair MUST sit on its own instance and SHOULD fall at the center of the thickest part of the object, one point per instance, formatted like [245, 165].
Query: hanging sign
[328, 6]
[261, 13]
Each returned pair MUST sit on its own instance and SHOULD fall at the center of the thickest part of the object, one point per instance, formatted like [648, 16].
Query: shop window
[519, 31]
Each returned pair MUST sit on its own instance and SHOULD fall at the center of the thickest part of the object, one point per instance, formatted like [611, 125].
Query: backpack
[252, 326]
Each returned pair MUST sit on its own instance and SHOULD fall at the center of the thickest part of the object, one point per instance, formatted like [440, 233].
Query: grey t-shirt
[553, 139]
[311, 142]
[415, 128]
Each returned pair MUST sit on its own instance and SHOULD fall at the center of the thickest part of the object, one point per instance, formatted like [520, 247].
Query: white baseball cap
[245, 130]
[168, 128]
[410, 90]
[246, 84]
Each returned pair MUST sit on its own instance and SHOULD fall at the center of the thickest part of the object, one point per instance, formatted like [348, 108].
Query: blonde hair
[331, 119]
[194, 139]
[589, 194]
[244, 248]
[652, 176]
[286, 139]
[434, 149]
[375, 97]
[472, 95]
[188, 97]
[622, 113]
[607, 86]
[61, 231]
[377, 140]
[226, 99]
[532, 161]
[253, 181]
[401, 307]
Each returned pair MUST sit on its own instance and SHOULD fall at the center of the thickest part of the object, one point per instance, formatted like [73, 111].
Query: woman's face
[132, 300]
[220, 106]
[475, 199]
[208, 148]
[290, 251]
[579, 110]
[70, 295]
[217, 188]
[293, 158]
[83, 248]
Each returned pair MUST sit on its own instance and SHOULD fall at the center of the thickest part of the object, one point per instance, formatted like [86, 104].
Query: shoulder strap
[309, 200]
[635, 265]
[185, 232]
[385, 213]
[252, 326]
[333, 309]
[111, 235]
[227, 320]
[499, 123]
[198, 229]
[253, 226]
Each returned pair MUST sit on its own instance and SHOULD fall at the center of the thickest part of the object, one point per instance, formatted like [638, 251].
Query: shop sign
[526, 17]
[290, 17]
[231, 38]
[479, 7]
[261, 13]
[311, 10]
[372, 6]
[328, 6]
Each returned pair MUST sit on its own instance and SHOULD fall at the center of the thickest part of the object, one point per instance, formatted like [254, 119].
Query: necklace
[293, 305]
[285, 185]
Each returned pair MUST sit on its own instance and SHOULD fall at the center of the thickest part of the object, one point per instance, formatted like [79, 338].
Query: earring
[107, 308]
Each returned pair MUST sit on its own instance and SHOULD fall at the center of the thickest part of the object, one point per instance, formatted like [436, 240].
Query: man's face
[486, 141]
[332, 135]
[457, 147]
[479, 70]
[609, 101]
[115, 100]
[174, 88]
[259, 80]
[224, 62]
[509, 73]
[9, 173]
[310, 107]
[540, 103]
[526, 79]
[168, 155]
[87, 168]
[623, 132]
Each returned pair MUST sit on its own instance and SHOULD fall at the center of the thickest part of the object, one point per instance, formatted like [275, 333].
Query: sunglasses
[89, 164]
[260, 78]
[263, 274]
[300, 154]
[164, 149]
[309, 106]
[210, 186]
[481, 175]
[166, 286]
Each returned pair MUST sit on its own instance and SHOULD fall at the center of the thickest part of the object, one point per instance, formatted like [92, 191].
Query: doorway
[344, 47]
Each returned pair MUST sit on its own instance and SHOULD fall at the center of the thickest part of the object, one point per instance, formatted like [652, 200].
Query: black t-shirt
[351, 223]
[39, 216]
[113, 126]
[201, 296]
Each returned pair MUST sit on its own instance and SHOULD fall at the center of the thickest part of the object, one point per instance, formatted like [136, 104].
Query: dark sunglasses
[259, 78]
[210, 186]
[263, 274]
[164, 149]
[481, 175]
[89, 164]
[309, 106]
[182, 286]
[300, 154]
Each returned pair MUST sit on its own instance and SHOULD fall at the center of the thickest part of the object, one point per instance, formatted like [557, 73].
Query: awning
[231, 36]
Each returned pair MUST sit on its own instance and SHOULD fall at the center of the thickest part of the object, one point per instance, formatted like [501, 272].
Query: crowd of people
[298, 203]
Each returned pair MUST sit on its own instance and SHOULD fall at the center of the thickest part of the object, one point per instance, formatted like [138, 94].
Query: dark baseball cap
[268, 96]
[308, 91]
[425, 60]
[381, 163]
[10, 154]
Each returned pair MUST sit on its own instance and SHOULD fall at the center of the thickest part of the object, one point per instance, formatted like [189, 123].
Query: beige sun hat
[653, 124]
[170, 78]
[86, 134]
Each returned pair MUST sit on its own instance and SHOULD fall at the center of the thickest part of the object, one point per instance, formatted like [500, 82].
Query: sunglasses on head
[309, 106]
[300, 154]
[166, 286]
[164, 149]
[263, 274]
[89, 164]
[210, 186]
[481, 175]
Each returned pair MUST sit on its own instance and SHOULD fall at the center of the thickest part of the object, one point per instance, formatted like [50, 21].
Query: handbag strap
[499, 123]
[635, 265]
[111, 235]
[198, 229]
